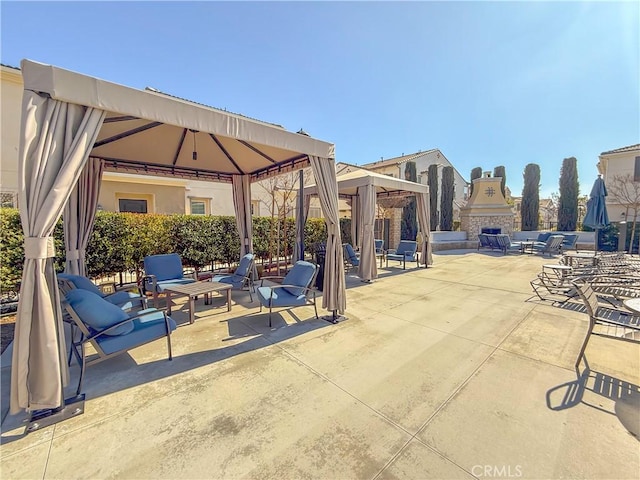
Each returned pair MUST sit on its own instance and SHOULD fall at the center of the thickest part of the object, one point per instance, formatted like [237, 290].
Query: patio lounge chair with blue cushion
[126, 300]
[552, 246]
[483, 241]
[242, 275]
[160, 271]
[295, 290]
[570, 242]
[350, 256]
[506, 245]
[406, 251]
[109, 329]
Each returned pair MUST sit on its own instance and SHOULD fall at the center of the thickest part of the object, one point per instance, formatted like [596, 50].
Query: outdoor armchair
[162, 271]
[406, 251]
[379, 246]
[295, 290]
[351, 258]
[242, 275]
[569, 242]
[109, 329]
[124, 299]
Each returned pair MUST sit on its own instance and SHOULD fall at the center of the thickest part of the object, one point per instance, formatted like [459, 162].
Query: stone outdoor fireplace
[487, 210]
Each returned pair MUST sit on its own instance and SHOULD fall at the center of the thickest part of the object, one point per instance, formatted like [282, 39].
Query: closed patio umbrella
[597, 216]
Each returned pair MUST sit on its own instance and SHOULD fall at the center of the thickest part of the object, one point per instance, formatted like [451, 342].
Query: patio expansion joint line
[446, 402]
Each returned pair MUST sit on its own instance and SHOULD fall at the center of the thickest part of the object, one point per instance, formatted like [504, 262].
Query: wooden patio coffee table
[192, 290]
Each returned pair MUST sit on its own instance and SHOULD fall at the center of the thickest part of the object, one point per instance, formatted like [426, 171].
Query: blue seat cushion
[279, 297]
[144, 329]
[123, 299]
[232, 279]
[164, 267]
[301, 274]
[97, 313]
[81, 282]
[160, 286]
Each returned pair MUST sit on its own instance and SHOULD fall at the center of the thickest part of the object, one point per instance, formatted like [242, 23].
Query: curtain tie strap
[39, 247]
[74, 255]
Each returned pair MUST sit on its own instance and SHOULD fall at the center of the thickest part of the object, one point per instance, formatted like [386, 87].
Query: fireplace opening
[491, 230]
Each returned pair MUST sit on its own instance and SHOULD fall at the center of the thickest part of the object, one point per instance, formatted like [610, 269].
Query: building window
[132, 205]
[255, 208]
[315, 212]
[636, 170]
[198, 207]
[8, 200]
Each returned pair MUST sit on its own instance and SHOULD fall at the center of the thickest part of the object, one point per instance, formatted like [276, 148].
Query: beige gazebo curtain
[333, 292]
[56, 138]
[368, 269]
[300, 223]
[242, 204]
[79, 216]
[422, 202]
[355, 221]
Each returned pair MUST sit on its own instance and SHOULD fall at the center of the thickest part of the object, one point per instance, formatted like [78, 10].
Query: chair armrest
[306, 289]
[392, 251]
[269, 278]
[152, 279]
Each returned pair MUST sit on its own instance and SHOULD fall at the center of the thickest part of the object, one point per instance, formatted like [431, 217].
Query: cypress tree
[475, 173]
[530, 209]
[409, 226]
[502, 173]
[569, 191]
[433, 196]
[446, 200]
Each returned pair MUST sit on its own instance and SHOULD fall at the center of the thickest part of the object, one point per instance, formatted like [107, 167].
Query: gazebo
[74, 127]
[364, 187]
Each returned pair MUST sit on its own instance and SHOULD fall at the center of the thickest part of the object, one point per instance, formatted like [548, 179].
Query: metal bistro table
[192, 290]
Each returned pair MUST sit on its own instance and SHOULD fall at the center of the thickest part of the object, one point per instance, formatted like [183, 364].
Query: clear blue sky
[488, 83]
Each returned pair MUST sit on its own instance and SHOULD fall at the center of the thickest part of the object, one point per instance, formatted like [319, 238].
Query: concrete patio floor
[448, 372]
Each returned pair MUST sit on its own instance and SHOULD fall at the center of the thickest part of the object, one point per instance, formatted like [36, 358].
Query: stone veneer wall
[472, 224]
[395, 222]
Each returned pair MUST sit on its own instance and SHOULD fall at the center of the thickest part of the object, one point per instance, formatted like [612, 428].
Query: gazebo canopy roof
[348, 184]
[153, 133]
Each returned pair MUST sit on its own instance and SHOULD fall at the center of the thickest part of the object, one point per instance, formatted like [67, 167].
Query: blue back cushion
[164, 267]
[407, 247]
[301, 274]
[544, 236]
[245, 263]
[81, 282]
[350, 251]
[97, 313]
[379, 244]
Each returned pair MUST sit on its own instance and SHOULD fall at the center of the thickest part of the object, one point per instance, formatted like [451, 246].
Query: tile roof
[10, 66]
[396, 160]
[629, 148]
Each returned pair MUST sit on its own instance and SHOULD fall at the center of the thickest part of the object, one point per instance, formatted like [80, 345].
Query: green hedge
[120, 241]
